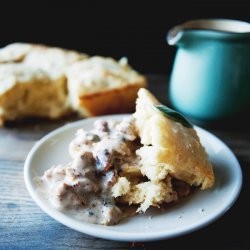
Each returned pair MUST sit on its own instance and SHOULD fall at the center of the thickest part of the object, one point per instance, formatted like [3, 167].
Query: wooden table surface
[23, 225]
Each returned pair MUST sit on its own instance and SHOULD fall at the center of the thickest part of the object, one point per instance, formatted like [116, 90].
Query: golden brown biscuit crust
[111, 101]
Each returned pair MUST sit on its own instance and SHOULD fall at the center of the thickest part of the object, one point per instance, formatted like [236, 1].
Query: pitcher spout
[175, 36]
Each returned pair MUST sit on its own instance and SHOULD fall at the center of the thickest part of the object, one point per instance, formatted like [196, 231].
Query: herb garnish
[174, 115]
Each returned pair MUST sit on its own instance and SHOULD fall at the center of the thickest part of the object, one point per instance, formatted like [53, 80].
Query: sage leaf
[174, 115]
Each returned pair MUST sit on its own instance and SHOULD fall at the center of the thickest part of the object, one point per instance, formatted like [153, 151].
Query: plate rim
[89, 228]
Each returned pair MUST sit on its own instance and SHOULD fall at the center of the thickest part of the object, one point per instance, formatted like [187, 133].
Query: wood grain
[24, 226]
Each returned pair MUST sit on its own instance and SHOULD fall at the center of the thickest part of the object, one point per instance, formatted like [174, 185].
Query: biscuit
[169, 154]
[33, 82]
[37, 80]
[169, 147]
[100, 86]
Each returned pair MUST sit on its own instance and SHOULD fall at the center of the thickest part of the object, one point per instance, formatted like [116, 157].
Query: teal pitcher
[211, 73]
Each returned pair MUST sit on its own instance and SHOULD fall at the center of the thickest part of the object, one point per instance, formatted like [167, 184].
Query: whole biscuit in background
[38, 81]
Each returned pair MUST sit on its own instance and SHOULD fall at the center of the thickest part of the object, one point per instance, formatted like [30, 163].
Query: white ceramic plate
[196, 211]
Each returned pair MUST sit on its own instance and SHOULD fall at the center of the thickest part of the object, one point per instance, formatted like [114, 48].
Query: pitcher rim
[216, 24]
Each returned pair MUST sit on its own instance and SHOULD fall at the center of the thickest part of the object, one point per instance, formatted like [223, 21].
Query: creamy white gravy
[83, 187]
